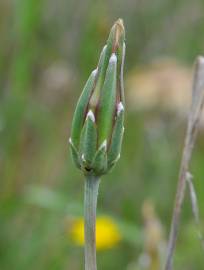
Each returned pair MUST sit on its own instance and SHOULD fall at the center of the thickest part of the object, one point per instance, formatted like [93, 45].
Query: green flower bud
[97, 127]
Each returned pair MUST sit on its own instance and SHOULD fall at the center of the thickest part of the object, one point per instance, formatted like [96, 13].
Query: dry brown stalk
[192, 128]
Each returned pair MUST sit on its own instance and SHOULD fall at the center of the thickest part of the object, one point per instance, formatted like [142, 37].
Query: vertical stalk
[192, 129]
[90, 204]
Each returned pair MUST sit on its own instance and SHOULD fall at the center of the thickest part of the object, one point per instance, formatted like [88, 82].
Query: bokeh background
[47, 50]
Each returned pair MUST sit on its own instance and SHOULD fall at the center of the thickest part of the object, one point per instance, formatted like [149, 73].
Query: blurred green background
[47, 50]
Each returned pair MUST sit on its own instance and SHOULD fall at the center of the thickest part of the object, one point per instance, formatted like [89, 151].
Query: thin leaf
[81, 108]
[107, 103]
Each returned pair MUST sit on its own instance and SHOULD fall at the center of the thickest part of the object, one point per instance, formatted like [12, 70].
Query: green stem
[90, 204]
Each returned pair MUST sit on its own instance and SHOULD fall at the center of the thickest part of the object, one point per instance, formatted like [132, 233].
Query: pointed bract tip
[119, 25]
[70, 141]
[120, 108]
[91, 116]
[200, 60]
[104, 144]
[119, 31]
[113, 58]
[104, 48]
[83, 158]
[94, 72]
[120, 22]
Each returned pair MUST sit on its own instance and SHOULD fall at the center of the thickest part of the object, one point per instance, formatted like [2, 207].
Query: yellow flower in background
[107, 232]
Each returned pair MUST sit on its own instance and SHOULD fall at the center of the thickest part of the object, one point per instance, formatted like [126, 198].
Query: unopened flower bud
[97, 127]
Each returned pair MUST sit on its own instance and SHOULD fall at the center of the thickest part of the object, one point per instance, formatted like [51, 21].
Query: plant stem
[90, 204]
[192, 128]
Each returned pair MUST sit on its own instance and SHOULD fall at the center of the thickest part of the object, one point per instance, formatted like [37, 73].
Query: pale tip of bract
[91, 116]
[70, 141]
[83, 158]
[104, 48]
[200, 59]
[113, 58]
[94, 72]
[120, 108]
[104, 144]
[118, 157]
[120, 24]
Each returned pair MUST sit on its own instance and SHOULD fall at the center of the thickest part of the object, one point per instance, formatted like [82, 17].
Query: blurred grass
[35, 122]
